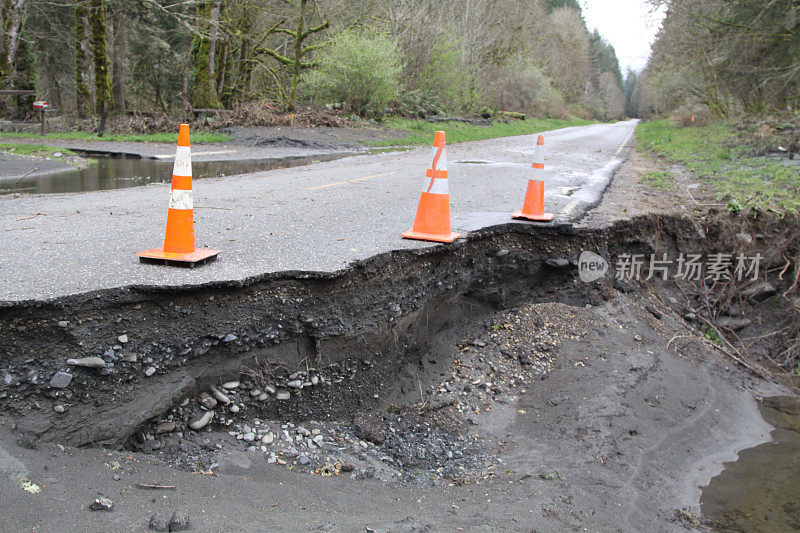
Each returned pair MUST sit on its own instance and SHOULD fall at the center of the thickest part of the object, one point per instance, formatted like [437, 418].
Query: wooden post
[41, 105]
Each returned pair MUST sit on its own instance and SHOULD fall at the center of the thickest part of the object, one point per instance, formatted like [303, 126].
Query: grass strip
[197, 137]
[716, 154]
[421, 132]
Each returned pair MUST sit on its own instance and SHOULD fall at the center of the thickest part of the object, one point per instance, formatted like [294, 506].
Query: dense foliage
[723, 57]
[407, 56]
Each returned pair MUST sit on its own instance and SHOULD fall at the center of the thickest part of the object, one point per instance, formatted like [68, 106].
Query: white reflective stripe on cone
[183, 162]
[439, 186]
[538, 155]
[441, 163]
[181, 199]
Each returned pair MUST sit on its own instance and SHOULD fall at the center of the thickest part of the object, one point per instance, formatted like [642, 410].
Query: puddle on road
[120, 173]
[759, 491]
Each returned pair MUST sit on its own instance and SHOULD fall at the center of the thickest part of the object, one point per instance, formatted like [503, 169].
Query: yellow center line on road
[348, 181]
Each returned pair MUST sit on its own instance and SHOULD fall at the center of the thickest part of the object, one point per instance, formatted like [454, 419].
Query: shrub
[419, 104]
[448, 79]
[520, 85]
[359, 69]
[683, 115]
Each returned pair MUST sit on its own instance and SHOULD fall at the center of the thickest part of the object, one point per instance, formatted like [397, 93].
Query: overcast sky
[629, 25]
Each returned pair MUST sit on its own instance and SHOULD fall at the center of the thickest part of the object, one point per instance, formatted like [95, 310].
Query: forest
[721, 58]
[371, 58]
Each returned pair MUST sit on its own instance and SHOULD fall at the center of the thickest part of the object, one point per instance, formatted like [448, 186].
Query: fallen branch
[737, 357]
[28, 173]
[155, 487]
[32, 216]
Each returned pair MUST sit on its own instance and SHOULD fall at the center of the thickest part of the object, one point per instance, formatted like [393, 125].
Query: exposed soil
[319, 137]
[480, 385]
[305, 127]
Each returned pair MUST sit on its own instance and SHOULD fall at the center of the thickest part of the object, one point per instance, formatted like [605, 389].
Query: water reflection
[759, 492]
[118, 173]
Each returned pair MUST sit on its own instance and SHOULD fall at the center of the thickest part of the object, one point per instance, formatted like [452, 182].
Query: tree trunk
[246, 64]
[298, 56]
[205, 89]
[223, 89]
[25, 75]
[104, 100]
[119, 59]
[83, 93]
[54, 81]
[13, 15]
[241, 83]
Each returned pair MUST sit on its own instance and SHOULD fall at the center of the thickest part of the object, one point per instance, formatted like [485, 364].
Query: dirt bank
[482, 386]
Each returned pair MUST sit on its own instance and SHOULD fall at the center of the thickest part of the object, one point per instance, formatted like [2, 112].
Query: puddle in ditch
[120, 173]
[758, 492]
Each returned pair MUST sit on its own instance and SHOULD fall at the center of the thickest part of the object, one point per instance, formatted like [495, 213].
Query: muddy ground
[480, 388]
[335, 138]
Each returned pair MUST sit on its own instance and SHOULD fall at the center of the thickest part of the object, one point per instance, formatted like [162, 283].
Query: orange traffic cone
[178, 246]
[533, 208]
[432, 222]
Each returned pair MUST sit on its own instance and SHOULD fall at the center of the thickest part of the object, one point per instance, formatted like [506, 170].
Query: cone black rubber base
[158, 256]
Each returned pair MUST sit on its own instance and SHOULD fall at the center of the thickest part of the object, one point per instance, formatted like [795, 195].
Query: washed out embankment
[154, 346]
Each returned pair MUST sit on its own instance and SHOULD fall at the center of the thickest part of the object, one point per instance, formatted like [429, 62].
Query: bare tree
[205, 90]
[299, 49]
[104, 100]
[83, 92]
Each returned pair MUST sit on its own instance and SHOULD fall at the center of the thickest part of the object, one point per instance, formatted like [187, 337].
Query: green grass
[37, 150]
[389, 150]
[715, 154]
[197, 137]
[711, 334]
[422, 131]
[660, 180]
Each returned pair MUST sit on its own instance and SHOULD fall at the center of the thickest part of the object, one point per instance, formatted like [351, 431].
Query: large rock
[760, 291]
[121, 415]
[369, 427]
[203, 421]
[87, 362]
[207, 401]
[60, 380]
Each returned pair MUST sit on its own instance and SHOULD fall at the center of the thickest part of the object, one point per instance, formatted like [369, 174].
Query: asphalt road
[315, 218]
